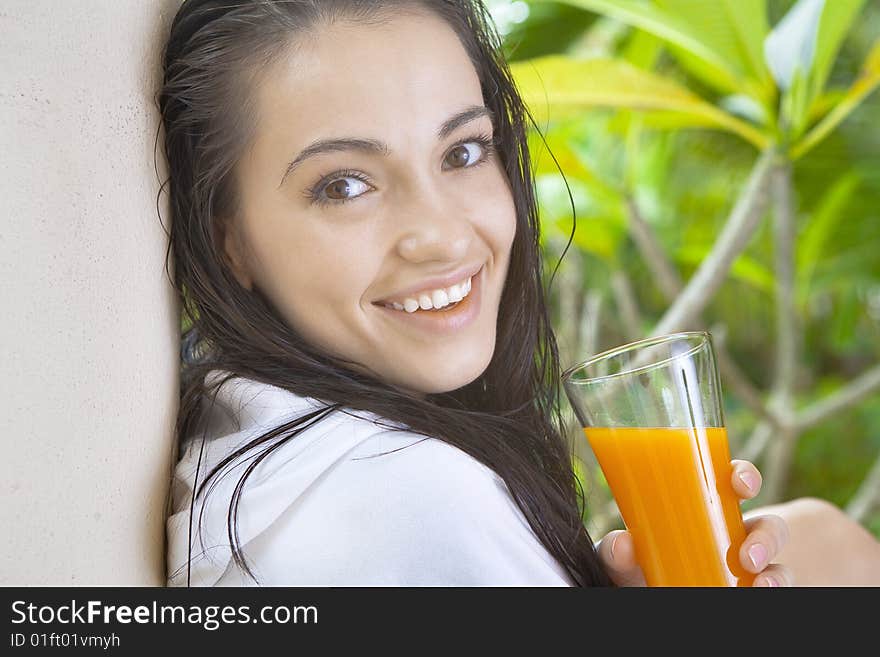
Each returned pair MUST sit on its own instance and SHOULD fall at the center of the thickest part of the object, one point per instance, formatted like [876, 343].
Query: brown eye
[460, 156]
[338, 189]
[343, 186]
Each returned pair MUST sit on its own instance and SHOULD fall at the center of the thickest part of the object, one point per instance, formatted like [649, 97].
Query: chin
[451, 375]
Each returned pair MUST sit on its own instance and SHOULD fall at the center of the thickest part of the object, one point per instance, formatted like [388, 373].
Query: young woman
[355, 241]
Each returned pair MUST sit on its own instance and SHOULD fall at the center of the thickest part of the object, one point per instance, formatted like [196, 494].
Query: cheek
[511, 224]
[504, 230]
[314, 284]
[503, 225]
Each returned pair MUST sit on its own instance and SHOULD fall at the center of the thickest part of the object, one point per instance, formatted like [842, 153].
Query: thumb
[617, 553]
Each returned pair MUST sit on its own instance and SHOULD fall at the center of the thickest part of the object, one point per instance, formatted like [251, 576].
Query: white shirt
[328, 508]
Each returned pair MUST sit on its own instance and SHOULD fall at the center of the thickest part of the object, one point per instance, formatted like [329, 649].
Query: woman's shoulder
[401, 509]
[352, 498]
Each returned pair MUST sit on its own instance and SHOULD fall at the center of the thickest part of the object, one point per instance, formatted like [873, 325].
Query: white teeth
[439, 298]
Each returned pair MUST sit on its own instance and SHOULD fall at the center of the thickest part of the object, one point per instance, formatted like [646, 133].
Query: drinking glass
[652, 413]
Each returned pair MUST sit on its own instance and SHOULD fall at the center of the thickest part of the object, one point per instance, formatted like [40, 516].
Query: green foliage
[735, 29]
[680, 30]
[868, 80]
[819, 230]
[837, 19]
[569, 86]
[833, 458]
[668, 115]
[729, 47]
[549, 29]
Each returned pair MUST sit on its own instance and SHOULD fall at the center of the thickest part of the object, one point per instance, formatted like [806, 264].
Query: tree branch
[851, 394]
[757, 442]
[735, 236]
[664, 273]
[786, 315]
[625, 300]
[671, 286]
[739, 383]
[778, 465]
[588, 332]
[867, 497]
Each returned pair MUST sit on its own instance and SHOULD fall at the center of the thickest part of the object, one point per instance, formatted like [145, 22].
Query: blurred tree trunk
[778, 462]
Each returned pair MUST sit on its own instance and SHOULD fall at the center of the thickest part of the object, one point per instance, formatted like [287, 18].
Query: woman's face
[411, 205]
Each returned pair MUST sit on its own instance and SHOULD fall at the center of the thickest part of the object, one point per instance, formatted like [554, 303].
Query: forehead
[397, 80]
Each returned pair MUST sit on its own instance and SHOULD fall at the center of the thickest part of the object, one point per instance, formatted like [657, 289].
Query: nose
[434, 228]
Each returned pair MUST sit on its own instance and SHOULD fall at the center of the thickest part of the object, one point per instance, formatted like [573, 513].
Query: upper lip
[436, 282]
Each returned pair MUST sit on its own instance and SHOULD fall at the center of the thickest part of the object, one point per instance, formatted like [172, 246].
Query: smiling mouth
[443, 321]
[423, 302]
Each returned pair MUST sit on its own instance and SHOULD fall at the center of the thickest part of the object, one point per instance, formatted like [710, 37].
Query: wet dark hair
[509, 418]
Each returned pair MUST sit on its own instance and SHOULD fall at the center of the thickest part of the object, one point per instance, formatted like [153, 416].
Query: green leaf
[642, 50]
[672, 29]
[663, 120]
[812, 245]
[825, 103]
[837, 18]
[561, 86]
[735, 29]
[648, 159]
[864, 85]
[794, 106]
[600, 235]
[847, 312]
[549, 28]
[749, 21]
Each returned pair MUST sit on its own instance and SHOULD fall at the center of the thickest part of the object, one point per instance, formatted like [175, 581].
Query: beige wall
[89, 365]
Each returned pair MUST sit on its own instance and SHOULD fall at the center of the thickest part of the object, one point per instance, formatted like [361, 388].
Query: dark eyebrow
[373, 146]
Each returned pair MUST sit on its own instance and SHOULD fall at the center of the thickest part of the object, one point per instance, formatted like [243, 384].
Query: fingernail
[613, 543]
[768, 581]
[758, 555]
[749, 479]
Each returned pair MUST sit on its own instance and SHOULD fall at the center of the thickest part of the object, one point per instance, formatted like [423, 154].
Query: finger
[765, 537]
[746, 479]
[617, 552]
[774, 575]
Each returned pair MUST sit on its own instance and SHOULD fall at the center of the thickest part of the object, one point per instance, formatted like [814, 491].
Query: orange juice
[673, 488]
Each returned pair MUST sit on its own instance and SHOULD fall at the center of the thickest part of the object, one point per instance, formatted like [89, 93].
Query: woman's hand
[766, 535]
